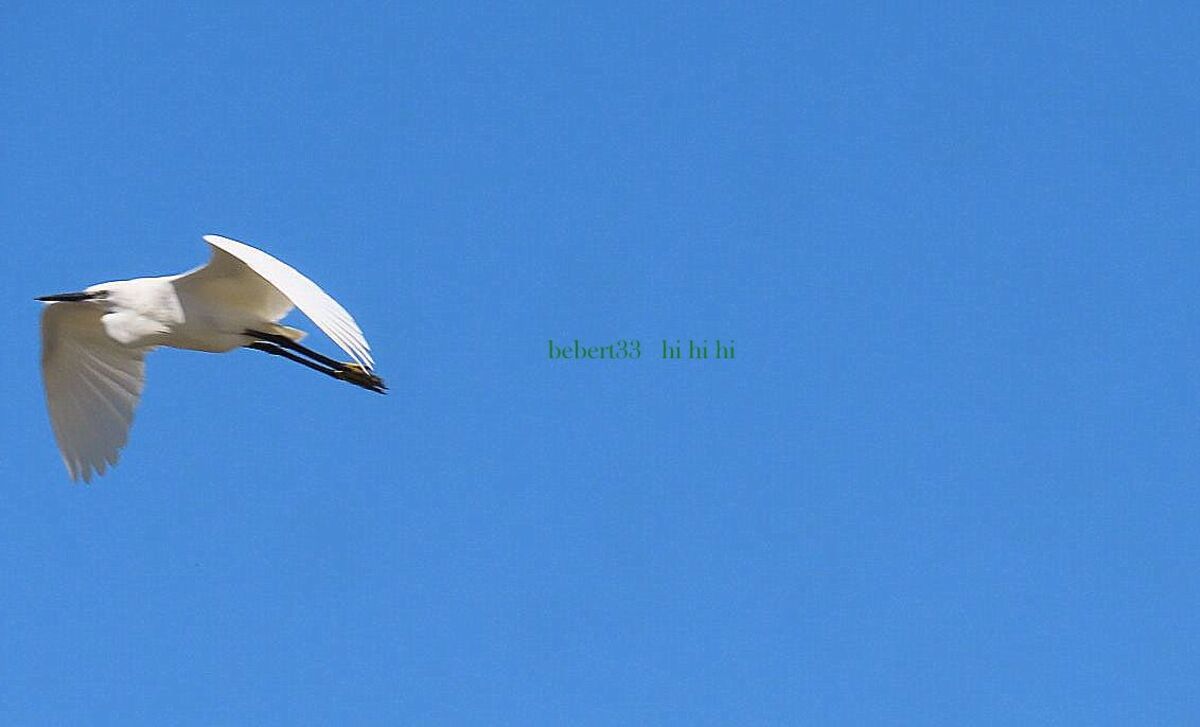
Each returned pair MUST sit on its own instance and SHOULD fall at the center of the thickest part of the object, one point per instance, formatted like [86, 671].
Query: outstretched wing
[254, 279]
[92, 387]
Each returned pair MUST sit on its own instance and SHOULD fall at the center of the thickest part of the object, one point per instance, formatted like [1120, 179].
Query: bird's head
[151, 296]
[117, 294]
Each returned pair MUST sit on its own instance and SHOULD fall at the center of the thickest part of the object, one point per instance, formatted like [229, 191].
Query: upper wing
[92, 386]
[253, 278]
[226, 278]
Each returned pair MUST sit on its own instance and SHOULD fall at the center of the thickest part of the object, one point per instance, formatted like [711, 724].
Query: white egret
[94, 341]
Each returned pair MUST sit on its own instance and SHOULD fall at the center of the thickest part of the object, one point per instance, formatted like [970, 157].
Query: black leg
[366, 381]
[285, 342]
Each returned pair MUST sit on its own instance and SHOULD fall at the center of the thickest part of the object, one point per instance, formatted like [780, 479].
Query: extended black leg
[366, 381]
[285, 342]
[346, 371]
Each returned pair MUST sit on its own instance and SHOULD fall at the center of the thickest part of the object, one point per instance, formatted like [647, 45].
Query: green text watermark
[631, 349]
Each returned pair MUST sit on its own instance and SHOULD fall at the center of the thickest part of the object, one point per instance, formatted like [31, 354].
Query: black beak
[68, 297]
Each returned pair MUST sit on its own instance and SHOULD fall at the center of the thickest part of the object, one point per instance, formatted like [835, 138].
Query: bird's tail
[295, 334]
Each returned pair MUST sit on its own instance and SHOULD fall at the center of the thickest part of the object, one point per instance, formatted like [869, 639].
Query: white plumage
[94, 341]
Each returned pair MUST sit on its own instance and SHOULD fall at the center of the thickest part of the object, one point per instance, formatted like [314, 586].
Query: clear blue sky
[950, 476]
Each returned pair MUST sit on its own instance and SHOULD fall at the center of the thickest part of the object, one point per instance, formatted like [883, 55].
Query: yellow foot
[359, 376]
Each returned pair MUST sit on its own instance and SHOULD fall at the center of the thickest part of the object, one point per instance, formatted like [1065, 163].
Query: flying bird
[94, 342]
